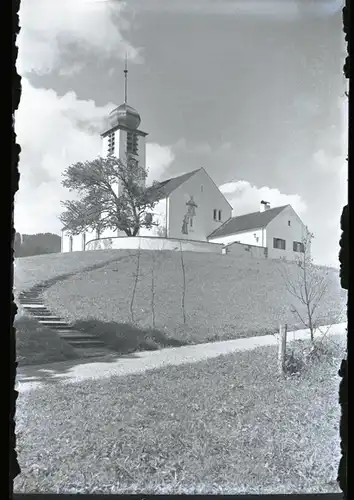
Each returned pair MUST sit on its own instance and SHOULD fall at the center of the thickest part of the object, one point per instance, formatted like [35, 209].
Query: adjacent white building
[279, 229]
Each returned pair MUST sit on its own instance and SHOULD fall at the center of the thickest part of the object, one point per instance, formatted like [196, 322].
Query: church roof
[163, 189]
[247, 222]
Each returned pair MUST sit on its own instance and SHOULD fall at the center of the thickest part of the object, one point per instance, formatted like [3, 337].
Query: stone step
[31, 300]
[74, 334]
[34, 306]
[41, 317]
[94, 352]
[54, 322]
[72, 340]
[39, 312]
[86, 343]
[56, 327]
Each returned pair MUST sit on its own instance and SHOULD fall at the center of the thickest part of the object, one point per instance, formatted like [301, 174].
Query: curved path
[33, 377]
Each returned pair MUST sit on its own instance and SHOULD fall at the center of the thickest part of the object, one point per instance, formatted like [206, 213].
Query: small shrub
[293, 364]
[303, 355]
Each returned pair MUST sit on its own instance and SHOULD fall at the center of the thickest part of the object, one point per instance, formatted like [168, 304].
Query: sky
[251, 90]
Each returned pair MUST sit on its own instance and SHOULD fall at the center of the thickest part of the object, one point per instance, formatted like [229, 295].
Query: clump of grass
[303, 355]
[36, 344]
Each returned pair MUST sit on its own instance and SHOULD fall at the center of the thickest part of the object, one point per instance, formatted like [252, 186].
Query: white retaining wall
[152, 243]
[240, 250]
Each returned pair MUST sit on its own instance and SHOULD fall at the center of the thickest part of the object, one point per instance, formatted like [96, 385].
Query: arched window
[148, 218]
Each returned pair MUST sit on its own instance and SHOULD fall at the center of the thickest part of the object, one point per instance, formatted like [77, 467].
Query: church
[190, 207]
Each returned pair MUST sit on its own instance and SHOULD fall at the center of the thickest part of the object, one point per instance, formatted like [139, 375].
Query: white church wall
[71, 243]
[256, 237]
[279, 228]
[159, 215]
[201, 190]
[153, 243]
[76, 243]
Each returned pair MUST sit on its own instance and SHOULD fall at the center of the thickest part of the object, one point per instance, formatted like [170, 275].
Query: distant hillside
[36, 244]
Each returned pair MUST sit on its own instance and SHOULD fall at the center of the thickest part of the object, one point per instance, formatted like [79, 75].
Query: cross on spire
[126, 79]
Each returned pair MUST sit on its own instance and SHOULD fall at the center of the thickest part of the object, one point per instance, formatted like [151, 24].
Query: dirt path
[33, 377]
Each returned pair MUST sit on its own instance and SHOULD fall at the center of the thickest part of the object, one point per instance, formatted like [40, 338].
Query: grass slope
[224, 426]
[226, 297]
[31, 271]
[36, 344]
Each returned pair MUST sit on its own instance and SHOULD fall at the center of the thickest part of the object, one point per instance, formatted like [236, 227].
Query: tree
[307, 285]
[36, 244]
[98, 206]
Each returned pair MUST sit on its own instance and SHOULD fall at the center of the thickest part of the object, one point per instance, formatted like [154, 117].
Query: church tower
[123, 138]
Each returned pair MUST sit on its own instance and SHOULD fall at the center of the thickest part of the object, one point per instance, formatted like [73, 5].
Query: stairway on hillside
[86, 345]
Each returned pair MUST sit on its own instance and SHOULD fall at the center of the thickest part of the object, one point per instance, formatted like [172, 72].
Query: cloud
[54, 132]
[158, 159]
[246, 198]
[49, 28]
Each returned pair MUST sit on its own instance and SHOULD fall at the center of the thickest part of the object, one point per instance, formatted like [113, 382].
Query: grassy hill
[225, 297]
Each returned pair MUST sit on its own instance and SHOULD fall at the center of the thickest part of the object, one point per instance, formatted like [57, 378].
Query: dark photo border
[12, 394]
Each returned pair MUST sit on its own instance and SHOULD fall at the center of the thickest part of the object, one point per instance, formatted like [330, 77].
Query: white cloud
[48, 26]
[54, 132]
[158, 159]
[246, 198]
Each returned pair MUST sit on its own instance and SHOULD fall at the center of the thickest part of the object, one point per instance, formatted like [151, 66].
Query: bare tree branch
[308, 287]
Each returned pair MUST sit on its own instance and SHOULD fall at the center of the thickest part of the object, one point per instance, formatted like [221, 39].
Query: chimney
[265, 205]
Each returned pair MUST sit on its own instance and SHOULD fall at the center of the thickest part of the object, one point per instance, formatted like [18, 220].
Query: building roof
[247, 222]
[163, 189]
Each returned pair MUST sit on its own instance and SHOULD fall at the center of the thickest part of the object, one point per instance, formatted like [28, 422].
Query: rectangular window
[219, 214]
[191, 222]
[132, 143]
[279, 243]
[71, 243]
[298, 247]
[111, 144]
[289, 223]
[215, 213]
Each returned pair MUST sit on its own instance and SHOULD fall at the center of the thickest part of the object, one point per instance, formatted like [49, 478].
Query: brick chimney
[265, 205]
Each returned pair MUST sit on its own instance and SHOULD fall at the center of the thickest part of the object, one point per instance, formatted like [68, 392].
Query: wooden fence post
[282, 349]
